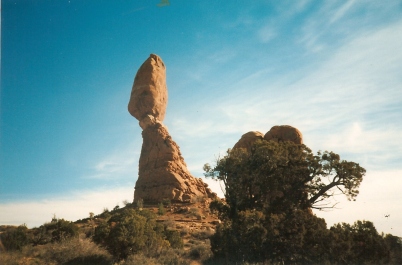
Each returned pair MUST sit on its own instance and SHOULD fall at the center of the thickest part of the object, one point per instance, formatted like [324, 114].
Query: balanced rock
[149, 91]
[162, 173]
[248, 139]
[284, 133]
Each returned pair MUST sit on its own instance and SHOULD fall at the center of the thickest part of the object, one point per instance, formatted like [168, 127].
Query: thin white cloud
[267, 33]
[340, 12]
[121, 162]
[72, 206]
[348, 103]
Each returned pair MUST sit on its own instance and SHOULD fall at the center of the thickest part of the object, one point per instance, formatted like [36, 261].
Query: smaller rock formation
[248, 139]
[277, 133]
[284, 133]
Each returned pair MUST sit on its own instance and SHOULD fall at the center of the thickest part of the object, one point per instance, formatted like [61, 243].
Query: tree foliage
[284, 175]
[266, 214]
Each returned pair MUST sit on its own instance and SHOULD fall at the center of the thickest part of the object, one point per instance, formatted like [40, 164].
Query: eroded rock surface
[284, 133]
[149, 92]
[162, 174]
[248, 139]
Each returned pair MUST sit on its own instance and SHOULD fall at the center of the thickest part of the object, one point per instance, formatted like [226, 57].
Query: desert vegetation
[265, 218]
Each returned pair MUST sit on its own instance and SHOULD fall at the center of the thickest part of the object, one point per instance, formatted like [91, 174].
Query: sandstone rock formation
[248, 139]
[149, 92]
[277, 133]
[284, 133]
[162, 174]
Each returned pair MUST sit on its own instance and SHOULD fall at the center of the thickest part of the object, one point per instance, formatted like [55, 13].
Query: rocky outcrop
[248, 139]
[277, 133]
[284, 133]
[162, 174]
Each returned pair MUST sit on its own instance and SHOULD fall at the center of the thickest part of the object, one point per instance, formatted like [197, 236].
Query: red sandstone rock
[162, 174]
[248, 139]
[284, 133]
[149, 91]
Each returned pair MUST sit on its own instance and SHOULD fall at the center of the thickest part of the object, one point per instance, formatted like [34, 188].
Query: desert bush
[62, 230]
[139, 203]
[161, 209]
[170, 222]
[130, 232]
[12, 258]
[200, 252]
[140, 259]
[75, 251]
[56, 230]
[172, 257]
[173, 236]
[195, 212]
[202, 234]
[72, 251]
[184, 231]
[167, 203]
[15, 238]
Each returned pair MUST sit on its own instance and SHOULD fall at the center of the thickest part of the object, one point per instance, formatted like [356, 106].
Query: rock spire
[162, 173]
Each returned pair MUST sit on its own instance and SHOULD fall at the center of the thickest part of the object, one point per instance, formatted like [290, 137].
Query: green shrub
[15, 238]
[200, 252]
[130, 232]
[161, 209]
[75, 251]
[72, 251]
[173, 236]
[172, 257]
[166, 202]
[140, 259]
[139, 203]
[55, 231]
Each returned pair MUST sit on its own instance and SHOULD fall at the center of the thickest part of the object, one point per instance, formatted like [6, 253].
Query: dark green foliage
[394, 244]
[359, 243]
[267, 213]
[254, 237]
[174, 238]
[62, 230]
[200, 251]
[161, 209]
[279, 176]
[15, 238]
[130, 232]
[55, 231]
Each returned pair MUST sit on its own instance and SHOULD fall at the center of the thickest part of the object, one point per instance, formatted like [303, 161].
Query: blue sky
[68, 145]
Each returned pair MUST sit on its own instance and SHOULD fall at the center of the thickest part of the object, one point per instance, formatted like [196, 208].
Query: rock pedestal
[162, 173]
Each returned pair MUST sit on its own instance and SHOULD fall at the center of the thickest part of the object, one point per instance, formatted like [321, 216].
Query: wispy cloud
[267, 33]
[71, 206]
[121, 162]
[341, 11]
[350, 103]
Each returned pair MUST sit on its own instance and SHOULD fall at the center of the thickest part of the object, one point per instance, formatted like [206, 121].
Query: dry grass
[74, 251]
